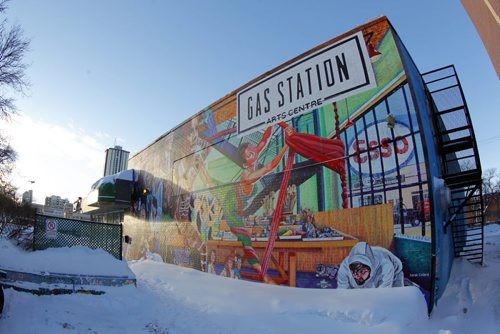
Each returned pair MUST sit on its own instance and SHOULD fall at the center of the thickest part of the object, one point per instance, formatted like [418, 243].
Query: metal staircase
[460, 162]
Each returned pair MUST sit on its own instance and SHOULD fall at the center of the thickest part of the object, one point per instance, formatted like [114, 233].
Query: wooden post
[292, 269]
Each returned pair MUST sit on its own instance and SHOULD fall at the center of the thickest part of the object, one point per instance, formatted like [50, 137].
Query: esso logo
[366, 150]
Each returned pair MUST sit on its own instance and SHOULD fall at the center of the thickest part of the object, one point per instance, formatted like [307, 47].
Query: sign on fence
[51, 229]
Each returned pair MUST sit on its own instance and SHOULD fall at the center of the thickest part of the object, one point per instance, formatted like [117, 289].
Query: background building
[116, 160]
[28, 197]
[56, 206]
[343, 150]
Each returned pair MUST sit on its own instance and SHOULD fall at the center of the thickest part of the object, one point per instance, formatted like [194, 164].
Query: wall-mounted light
[391, 121]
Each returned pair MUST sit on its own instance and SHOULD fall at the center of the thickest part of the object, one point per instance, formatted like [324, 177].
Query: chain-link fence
[63, 232]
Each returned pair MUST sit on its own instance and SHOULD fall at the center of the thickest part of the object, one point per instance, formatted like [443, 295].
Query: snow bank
[255, 307]
[171, 299]
[471, 302]
[66, 260]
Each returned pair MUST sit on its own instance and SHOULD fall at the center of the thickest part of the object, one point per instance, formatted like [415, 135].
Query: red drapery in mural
[328, 152]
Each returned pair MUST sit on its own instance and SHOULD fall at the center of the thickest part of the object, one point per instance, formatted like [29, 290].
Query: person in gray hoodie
[370, 267]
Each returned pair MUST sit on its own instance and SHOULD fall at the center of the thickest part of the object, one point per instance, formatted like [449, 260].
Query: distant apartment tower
[116, 160]
[56, 206]
[28, 197]
[56, 202]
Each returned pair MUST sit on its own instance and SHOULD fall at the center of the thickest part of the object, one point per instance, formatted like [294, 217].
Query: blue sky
[125, 72]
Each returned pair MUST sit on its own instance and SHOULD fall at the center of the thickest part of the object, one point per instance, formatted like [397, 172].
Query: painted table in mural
[287, 250]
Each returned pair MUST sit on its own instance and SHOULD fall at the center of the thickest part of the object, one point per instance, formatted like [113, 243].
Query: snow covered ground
[171, 299]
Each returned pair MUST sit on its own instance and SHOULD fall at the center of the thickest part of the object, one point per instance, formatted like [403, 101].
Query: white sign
[365, 153]
[335, 72]
[51, 229]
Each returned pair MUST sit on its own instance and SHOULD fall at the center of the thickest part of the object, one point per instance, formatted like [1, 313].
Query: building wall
[354, 165]
[485, 16]
[442, 245]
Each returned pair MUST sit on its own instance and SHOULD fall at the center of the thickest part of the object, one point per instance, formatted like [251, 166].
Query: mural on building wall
[332, 194]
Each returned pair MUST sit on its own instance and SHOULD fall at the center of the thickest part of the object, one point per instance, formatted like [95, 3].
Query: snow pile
[471, 301]
[66, 260]
[172, 299]
[249, 307]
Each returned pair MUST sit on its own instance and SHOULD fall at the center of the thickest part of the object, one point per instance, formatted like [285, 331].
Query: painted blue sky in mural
[125, 72]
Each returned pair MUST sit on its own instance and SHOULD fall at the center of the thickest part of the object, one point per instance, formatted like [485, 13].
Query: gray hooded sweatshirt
[386, 269]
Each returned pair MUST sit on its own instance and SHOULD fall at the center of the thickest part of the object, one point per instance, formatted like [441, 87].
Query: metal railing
[460, 162]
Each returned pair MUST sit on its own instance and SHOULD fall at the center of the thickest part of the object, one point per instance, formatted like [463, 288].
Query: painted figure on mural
[193, 165]
[306, 145]
[250, 154]
[211, 262]
[307, 220]
[370, 267]
[228, 270]
[195, 260]
[245, 190]
[203, 257]
[189, 207]
[238, 259]
[203, 212]
[311, 229]
[291, 198]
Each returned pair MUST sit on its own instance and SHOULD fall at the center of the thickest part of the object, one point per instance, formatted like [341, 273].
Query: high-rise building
[116, 160]
[28, 197]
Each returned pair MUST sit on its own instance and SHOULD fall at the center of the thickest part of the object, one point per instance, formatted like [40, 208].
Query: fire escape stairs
[461, 168]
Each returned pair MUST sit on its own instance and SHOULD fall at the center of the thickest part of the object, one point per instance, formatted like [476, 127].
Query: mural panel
[333, 197]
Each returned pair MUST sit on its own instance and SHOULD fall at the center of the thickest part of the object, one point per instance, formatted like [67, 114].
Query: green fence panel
[64, 232]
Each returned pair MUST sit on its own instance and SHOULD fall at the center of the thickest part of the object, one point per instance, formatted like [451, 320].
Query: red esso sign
[379, 149]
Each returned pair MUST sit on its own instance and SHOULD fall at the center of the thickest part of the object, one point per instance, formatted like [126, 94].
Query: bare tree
[7, 159]
[13, 47]
[491, 181]
[491, 192]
